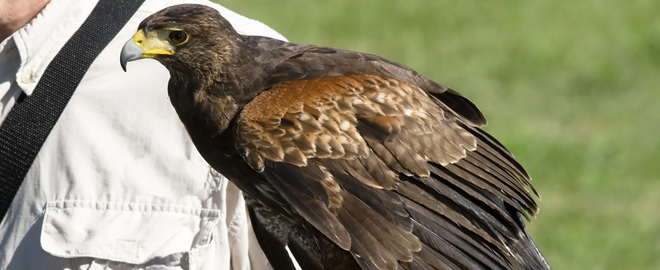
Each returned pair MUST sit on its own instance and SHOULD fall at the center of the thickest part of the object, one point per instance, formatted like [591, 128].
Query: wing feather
[297, 189]
[381, 169]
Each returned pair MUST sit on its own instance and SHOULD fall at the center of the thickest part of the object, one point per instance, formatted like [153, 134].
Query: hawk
[347, 160]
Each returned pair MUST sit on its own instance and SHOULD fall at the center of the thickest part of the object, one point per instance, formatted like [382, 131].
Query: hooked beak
[141, 46]
[130, 52]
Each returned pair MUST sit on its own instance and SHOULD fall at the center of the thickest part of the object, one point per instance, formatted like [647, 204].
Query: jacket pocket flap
[124, 232]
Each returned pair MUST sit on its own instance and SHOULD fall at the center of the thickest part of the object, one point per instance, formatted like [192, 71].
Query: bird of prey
[347, 160]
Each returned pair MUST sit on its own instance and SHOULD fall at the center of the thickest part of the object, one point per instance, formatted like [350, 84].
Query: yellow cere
[156, 43]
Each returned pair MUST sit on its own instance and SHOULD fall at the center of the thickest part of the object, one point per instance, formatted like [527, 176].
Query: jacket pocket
[130, 233]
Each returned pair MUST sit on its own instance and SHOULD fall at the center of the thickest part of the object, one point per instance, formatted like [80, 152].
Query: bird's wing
[371, 162]
[310, 61]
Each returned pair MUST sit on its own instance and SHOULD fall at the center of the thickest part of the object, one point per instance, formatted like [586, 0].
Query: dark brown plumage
[350, 160]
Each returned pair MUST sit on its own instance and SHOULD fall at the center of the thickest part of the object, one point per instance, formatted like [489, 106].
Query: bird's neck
[219, 95]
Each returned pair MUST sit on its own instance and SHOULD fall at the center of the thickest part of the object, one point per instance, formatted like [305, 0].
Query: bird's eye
[178, 37]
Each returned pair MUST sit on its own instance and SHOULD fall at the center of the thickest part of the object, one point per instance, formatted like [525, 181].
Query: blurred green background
[571, 87]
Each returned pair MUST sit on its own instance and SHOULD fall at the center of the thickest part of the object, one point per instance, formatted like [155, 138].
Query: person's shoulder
[243, 25]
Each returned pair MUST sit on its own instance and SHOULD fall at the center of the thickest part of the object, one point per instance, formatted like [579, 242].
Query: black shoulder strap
[29, 122]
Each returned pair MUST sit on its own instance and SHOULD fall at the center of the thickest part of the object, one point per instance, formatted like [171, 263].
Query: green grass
[571, 87]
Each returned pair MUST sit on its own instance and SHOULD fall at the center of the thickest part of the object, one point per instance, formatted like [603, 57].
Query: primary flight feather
[350, 160]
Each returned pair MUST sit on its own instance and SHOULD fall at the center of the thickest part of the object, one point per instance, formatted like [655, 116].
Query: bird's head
[183, 38]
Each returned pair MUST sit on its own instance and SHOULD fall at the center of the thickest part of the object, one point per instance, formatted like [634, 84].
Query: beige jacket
[117, 184]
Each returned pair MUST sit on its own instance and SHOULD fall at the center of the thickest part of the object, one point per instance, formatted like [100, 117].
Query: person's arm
[14, 14]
